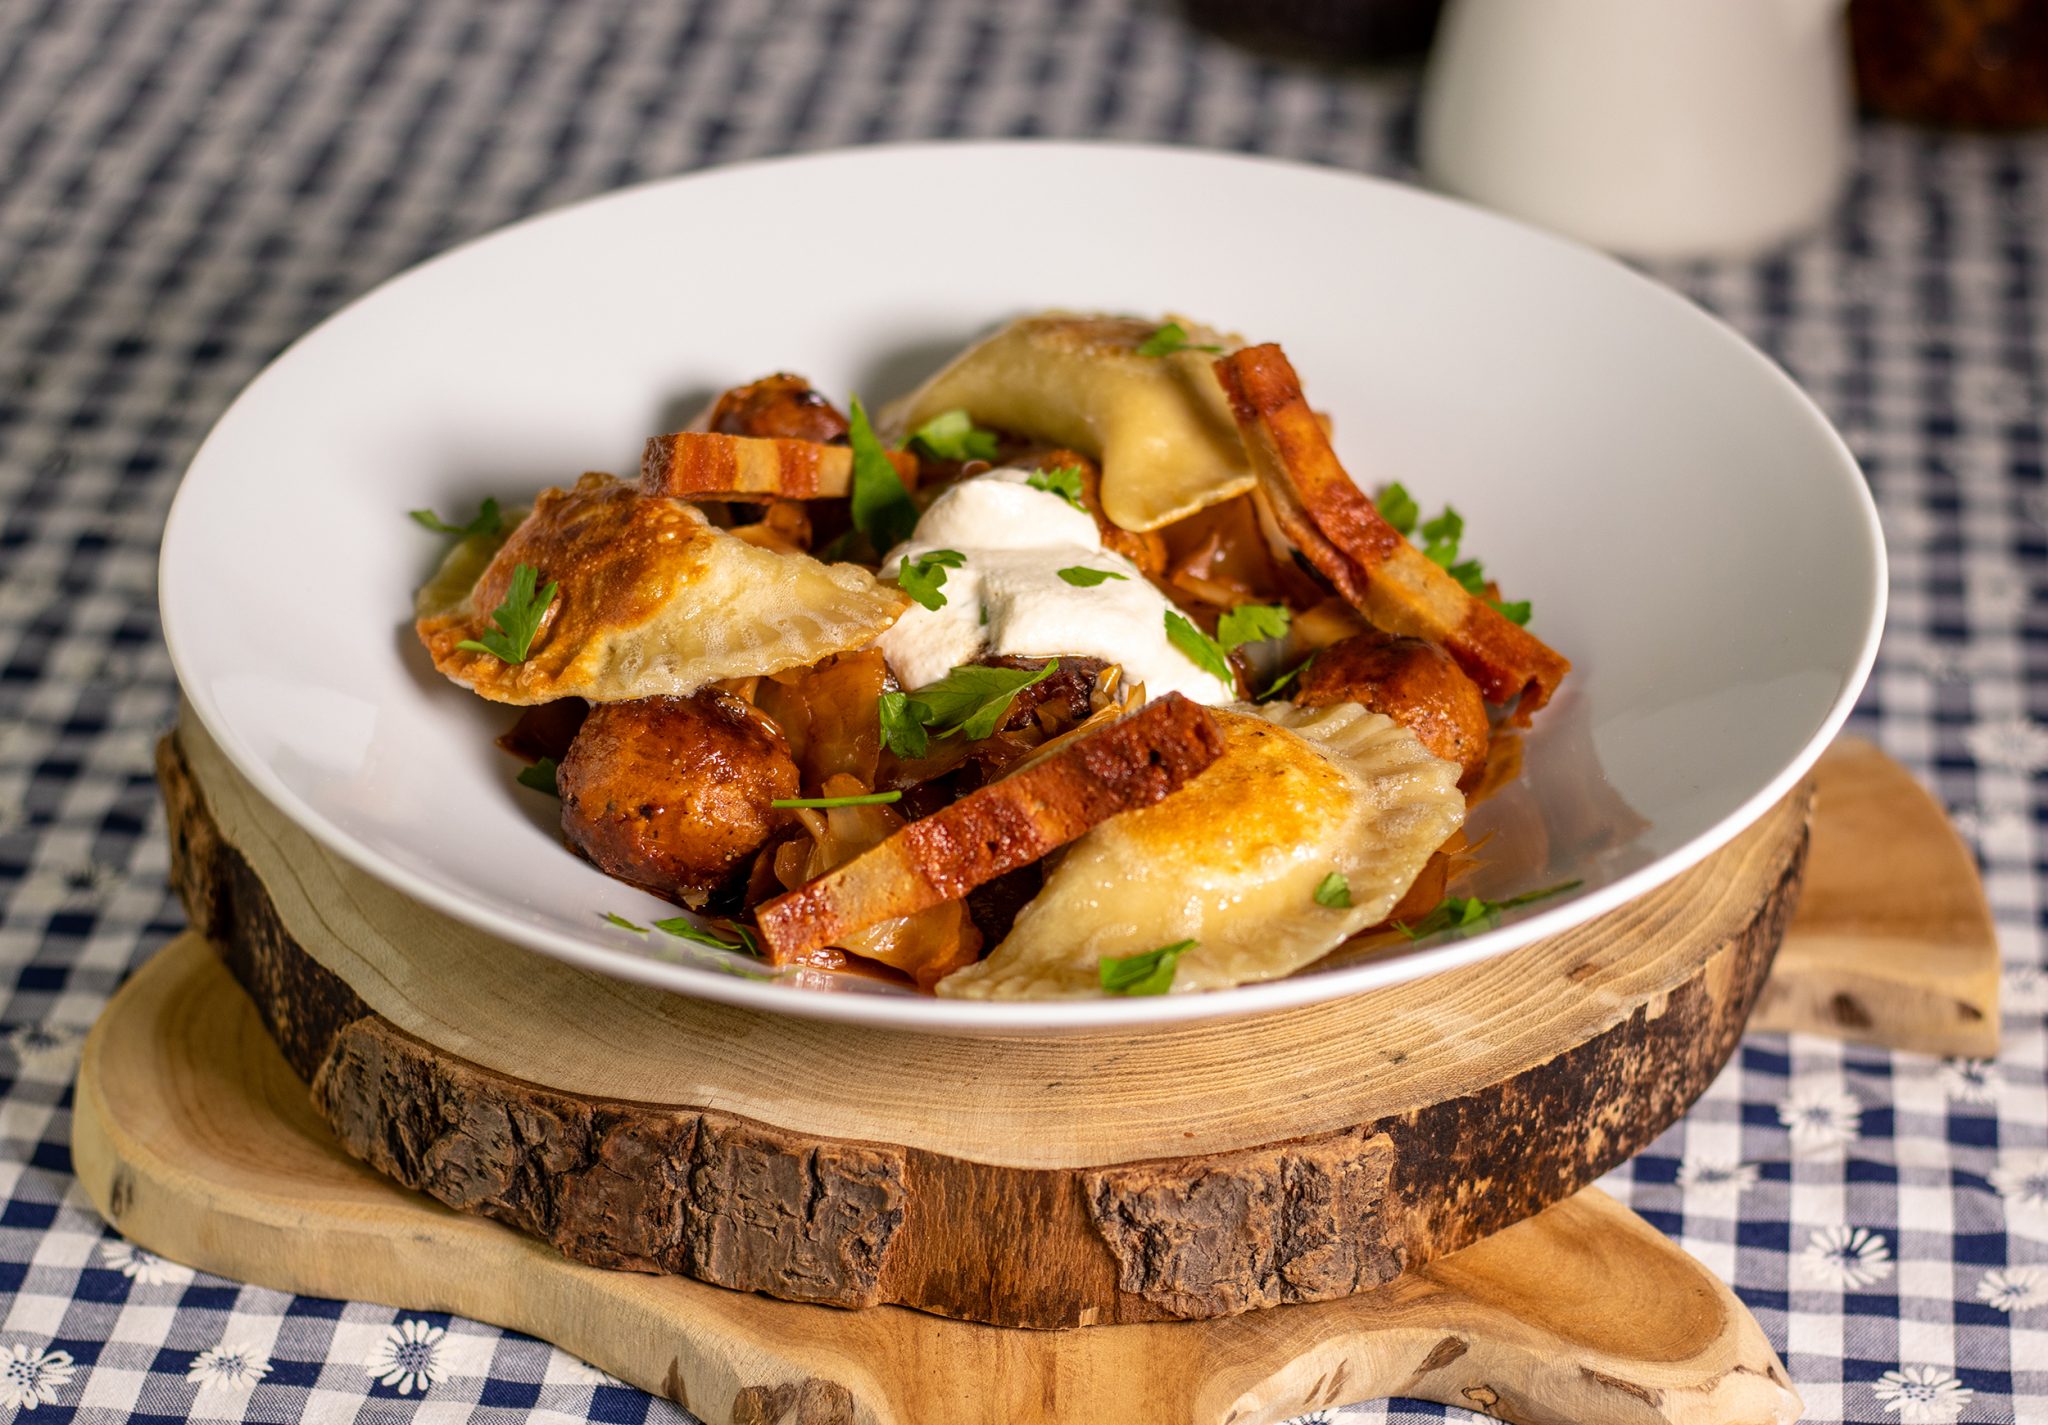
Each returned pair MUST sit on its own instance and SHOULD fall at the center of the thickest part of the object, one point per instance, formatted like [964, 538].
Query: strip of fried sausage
[705, 465]
[1009, 823]
[1323, 512]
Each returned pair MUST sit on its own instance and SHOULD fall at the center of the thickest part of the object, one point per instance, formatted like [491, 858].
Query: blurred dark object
[1975, 63]
[1374, 31]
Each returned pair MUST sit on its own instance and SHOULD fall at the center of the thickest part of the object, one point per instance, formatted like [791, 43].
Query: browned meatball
[1413, 682]
[673, 793]
[780, 406]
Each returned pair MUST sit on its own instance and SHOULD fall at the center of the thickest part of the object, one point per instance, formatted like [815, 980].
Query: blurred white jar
[1658, 128]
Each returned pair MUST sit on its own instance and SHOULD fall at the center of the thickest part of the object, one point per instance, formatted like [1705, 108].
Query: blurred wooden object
[1893, 942]
[1972, 63]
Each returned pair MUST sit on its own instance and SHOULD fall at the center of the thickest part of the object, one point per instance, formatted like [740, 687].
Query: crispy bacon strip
[1006, 824]
[705, 465]
[1322, 511]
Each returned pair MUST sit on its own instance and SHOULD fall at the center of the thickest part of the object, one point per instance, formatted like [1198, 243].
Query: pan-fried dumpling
[653, 601]
[1232, 860]
[1159, 424]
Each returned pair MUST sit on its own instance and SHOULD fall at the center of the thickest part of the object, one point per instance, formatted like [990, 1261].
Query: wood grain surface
[196, 1141]
[1893, 942]
[1191, 1172]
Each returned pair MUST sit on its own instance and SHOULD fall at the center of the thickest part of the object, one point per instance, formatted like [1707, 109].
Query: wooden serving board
[1191, 1172]
[196, 1140]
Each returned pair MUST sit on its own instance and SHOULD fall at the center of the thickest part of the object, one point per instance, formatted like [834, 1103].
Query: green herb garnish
[952, 435]
[1064, 482]
[1168, 339]
[683, 928]
[1150, 972]
[487, 521]
[540, 776]
[865, 799]
[882, 509]
[517, 619]
[624, 924]
[1207, 653]
[1398, 508]
[1284, 679]
[974, 698]
[1252, 623]
[903, 720]
[1516, 611]
[1334, 891]
[1082, 577]
[1461, 912]
[924, 576]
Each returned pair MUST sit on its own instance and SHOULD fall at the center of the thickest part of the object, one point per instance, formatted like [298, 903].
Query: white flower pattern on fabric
[2023, 989]
[1922, 1395]
[582, 1372]
[1821, 1118]
[408, 1357]
[1970, 1080]
[2022, 1180]
[44, 1046]
[143, 1266]
[230, 1368]
[1845, 1258]
[1716, 1178]
[1314, 1417]
[2013, 744]
[31, 1377]
[2011, 1289]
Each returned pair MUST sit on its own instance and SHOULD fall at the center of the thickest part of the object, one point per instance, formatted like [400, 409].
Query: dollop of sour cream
[1008, 598]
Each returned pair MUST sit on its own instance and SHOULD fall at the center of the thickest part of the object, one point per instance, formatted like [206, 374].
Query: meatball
[1413, 682]
[672, 794]
[781, 406]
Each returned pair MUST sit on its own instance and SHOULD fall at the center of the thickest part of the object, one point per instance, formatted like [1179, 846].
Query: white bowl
[1693, 535]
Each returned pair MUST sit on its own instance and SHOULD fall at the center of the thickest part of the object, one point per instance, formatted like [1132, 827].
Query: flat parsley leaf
[1207, 653]
[1082, 577]
[1398, 508]
[1284, 679]
[1516, 611]
[683, 928]
[903, 719]
[1252, 623]
[1150, 972]
[882, 509]
[1460, 912]
[488, 521]
[540, 776]
[1334, 891]
[924, 576]
[1441, 537]
[1064, 482]
[624, 924]
[517, 619]
[1168, 339]
[974, 698]
[952, 435]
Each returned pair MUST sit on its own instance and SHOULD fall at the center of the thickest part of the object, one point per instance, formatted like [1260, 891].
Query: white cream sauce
[1008, 597]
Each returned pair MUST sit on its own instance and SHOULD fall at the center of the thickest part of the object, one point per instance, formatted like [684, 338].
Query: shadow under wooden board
[195, 1139]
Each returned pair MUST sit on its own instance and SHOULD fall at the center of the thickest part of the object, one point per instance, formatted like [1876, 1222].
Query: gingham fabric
[186, 186]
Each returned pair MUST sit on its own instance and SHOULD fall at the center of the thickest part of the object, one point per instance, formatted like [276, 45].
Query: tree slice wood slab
[1893, 942]
[196, 1141]
[1192, 1172]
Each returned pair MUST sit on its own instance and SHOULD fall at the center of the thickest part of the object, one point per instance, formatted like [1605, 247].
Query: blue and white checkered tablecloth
[186, 185]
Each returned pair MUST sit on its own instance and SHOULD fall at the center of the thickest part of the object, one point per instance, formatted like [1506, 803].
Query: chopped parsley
[540, 776]
[1064, 482]
[517, 619]
[1273, 688]
[1206, 652]
[865, 799]
[1150, 972]
[624, 924]
[1514, 611]
[1462, 912]
[882, 509]
[973, 699]
[924, 576]
[1334, 891]
[952, 435]
[1168, 339]
[488, 521]
[1082, 577]
[1398, 508]
[683, 928]
[1440, 540]
[1252, 623]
